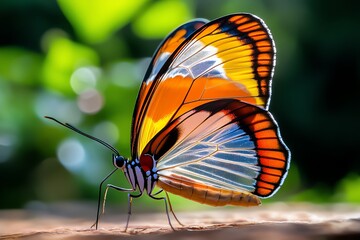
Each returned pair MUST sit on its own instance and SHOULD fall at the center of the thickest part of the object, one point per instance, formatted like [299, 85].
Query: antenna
[67, 125]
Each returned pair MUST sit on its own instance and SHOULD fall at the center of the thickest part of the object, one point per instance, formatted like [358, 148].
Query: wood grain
[274, 221]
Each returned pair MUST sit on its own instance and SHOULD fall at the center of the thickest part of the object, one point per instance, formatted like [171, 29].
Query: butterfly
[201, 126]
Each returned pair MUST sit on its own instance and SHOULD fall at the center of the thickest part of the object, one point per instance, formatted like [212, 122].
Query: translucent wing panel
[215, 159]
[225, 144]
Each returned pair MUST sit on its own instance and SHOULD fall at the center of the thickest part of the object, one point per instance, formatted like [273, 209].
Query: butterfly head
[119, 161]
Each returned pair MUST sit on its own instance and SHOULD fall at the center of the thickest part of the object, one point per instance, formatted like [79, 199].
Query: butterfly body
[208, 195]
[140, 177]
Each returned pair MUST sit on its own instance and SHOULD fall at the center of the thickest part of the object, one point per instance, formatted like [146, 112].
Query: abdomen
[207, 194]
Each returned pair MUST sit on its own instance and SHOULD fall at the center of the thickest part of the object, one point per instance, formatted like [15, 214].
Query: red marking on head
[146, 162]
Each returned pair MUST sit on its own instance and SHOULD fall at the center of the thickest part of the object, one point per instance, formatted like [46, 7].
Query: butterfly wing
[231, 57]
[221, 152]
[169, 45]
[164, 51]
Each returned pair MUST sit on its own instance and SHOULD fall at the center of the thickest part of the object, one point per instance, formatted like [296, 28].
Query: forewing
[225, 144]
[231, 57]
[164, 51]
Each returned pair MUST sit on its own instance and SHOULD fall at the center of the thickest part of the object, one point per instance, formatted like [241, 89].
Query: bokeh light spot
[90, 101]
[83, 79]
[7, 146]
[71, 155]
[107, 131]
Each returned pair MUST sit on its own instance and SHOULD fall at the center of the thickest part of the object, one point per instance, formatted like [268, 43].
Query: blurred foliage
[95, 21]
[148, 26]
[83, 61]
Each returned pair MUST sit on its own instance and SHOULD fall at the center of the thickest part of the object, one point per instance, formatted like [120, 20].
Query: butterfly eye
[118, 161]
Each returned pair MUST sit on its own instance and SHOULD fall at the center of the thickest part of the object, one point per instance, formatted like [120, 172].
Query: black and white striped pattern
[138, 178]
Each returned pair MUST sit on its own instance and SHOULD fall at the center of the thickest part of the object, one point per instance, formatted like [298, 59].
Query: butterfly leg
[104, 200]
[99, 198]
[130, 198]
[116, 188]
[166, 208]
[171, 209]
[170, 205]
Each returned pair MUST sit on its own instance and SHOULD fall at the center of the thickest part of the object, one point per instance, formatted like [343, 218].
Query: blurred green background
[83, 61]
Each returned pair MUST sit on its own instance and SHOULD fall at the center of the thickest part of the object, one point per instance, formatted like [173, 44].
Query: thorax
[141, 174]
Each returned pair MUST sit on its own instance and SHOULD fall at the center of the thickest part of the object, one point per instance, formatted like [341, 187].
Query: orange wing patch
[272, 153]
[173, 92]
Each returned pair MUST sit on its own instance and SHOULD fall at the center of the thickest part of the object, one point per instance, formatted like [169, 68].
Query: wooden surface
[274, 221]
